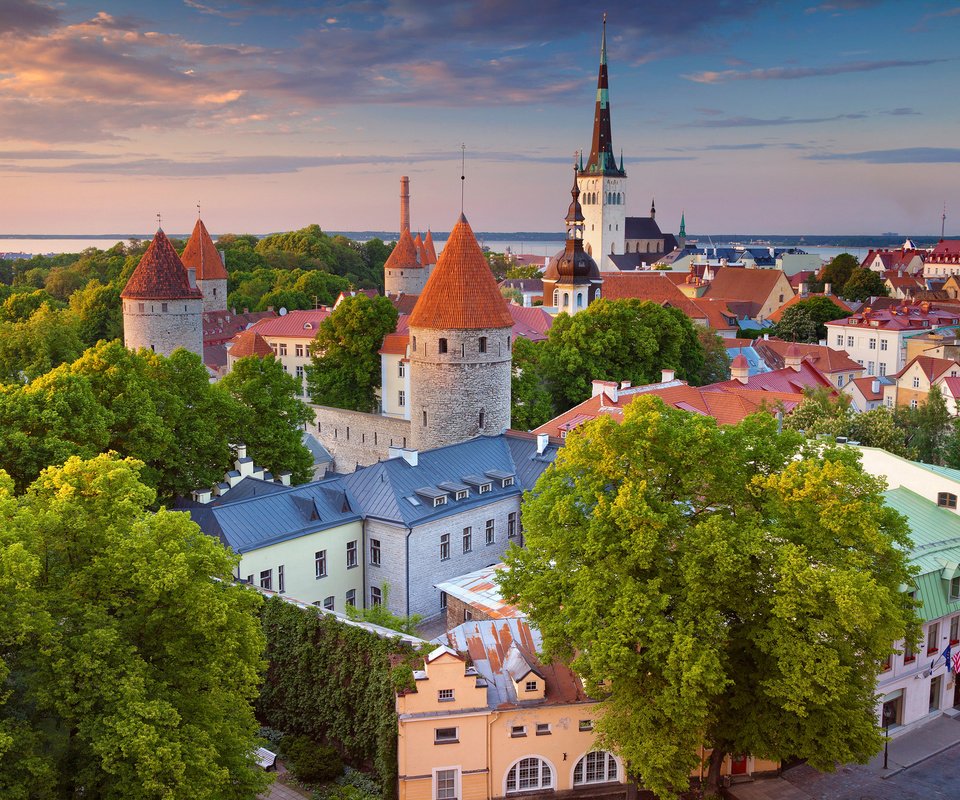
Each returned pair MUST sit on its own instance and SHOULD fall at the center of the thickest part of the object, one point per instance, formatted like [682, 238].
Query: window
[328, 603]
[598, 767]
[250, 579]
[376, 596]
[955, 630]
[481, 419]
[375, 552]
[163, 307]
[482, 343]
[916, 383]
[517, 731]
[954, 582]
[266, 579]
[446, 784]
[913, 404]
[445, 695]
[445, 735]
[414, 344]
[873, 344]
[298, 349]
[462, 494]
[849, 341]
[299, 370]
[886, 664]
[556, 299]
[511, 524]
[443, 601]
[491, 531]
[883, 344]
[869, 368]
[467, 540]
[401, 398]
[529, 773]
[883, 368]
[351, 554]
[442, 346]
[947, 500]
[908, 655]
[401, 369]
[352, 597]
[543, 729]
[530, 686]
[444, 546]
[839, 381]
[320, 563]
[933, 638]
[140, 307]
[586, 725]
[424, 419]
[439, 501]
[467, 615]
[839, 340]
[280, 581]
[283, 349]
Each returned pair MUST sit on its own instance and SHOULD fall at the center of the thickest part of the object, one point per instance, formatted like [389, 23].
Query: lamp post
[888, 715]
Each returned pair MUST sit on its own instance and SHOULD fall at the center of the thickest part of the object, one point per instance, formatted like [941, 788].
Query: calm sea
[536, 248]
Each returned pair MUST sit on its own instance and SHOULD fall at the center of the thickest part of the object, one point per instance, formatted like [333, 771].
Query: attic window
[445, 695]
[308, 326]
[530, 686]
[463, 495]
[947, 500]
[413, 500]
[439, 501]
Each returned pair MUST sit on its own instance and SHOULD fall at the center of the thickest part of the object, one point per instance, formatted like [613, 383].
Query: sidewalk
[917, 745]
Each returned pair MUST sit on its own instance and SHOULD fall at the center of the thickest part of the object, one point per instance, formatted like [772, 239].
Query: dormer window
[462, 495]
[439, 501]
[530, 686]
[947, 500]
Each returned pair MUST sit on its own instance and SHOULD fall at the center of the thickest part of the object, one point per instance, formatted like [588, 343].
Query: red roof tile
[931, 366]
[774, 353]
[531, 323]
[160, 275]
[422, 253]
[782, 380]
[650, 286]
[431, 250]
[461, 292]
[250, 343]
[404, 254]
[865, 385]
[201, 254]
[222, 326]
[751, 285]
[293, 325]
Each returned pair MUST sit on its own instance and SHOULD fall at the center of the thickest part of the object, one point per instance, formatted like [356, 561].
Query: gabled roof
[222, 326]
[783, 380]
[826, 359]
[481, 590]
[531, 323]
[650, 286]
[422, 253]
[201, 254]
[931, 366]
[865, 387]
[405, 254]
[751, 285]
[293, 325]
[946, 251]
[160, 275]
[461, 292]
[396, 343]
[250, 343]
[641, 228]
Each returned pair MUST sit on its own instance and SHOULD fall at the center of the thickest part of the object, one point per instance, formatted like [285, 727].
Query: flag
[945, 655]
[956, 662]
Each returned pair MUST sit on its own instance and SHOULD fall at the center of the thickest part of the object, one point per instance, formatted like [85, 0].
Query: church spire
[683, 225]
[602, 160]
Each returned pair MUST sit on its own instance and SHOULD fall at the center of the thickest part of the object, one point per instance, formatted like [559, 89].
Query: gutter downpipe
[492, 717]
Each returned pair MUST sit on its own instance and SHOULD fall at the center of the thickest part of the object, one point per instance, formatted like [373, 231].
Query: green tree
[98, 311]
[805, 320]
[381, 615]
[716, 362]
[20, 305]
[838, 271]
[520, 271]
[617, 340]
[927, 427]
[271, 415]
[529, 397]
[36, 345]
[864, 284]
[345, 372]
[136, 668]
[499, 265]
[716, 586]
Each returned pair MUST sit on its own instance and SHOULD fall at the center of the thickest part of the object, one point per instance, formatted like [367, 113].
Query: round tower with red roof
[404, 272]
[162, 305]
[202, 257]
[460, 357]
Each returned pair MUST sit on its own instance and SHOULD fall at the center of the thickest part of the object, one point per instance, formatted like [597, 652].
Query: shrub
[311, 762]
[354, 785]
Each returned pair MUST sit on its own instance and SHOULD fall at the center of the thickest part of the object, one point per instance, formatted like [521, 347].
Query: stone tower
[201, 255]
[572, 281]
[603, 183]
[405, 270]
[162, 305]
[460, 339]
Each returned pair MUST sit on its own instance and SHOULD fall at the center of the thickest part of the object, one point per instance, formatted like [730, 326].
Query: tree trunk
[712, 786]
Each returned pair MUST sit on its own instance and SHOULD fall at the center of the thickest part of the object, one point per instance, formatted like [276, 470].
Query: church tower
[572, 281]
[460, 357]
[162, 305]
[201, 255]
[602, 183]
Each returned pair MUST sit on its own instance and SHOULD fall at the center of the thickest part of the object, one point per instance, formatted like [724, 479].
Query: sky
[746, 115]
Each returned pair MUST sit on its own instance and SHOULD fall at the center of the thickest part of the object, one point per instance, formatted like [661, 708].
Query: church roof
[602, 160]
[250, 343]
[461, 292]
[431, 250]
[160, 275]
[404, 254]
[641, 228]
[201, 254]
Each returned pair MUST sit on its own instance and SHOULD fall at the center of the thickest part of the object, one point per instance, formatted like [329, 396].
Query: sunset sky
[755, 117]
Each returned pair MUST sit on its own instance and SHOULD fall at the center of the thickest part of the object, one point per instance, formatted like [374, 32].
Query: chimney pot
[667, 375]
[543, 440]
[828, 288]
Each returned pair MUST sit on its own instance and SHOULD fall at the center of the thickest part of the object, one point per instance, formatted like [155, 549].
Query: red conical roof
[160, 275]
[431, 250]
[740, 362]
[404, 254]
[201, 254]
[461, 292]
[421, 251]
[250, 343]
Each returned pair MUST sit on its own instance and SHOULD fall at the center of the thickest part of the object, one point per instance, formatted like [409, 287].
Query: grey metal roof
[320, 453]
[641, 228]
[254, 521]
[383, 488]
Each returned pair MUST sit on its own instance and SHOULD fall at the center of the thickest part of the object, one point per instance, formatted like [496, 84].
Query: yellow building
[487, 719]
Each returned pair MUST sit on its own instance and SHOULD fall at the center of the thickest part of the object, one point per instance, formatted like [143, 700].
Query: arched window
[596, 295]
[483, 344]
[442, 346]
[599, 767]
[556, 297]
[579, 299]
[566, 299]
[529, 773]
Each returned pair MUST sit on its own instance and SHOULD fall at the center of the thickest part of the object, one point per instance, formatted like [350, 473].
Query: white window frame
[490, 531]
[552, 776]
[446, 740]
[435, 789]
[320, 564]
[352, 554]
[584, 781]
[375, 552]
[444, 546]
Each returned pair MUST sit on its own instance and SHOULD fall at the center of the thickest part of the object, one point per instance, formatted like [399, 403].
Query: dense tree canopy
[805, 320]
[838, 271]
[864, 284]
[345, 372]
[129, 659]
[618, 340]
[717, 586]
[529, 396]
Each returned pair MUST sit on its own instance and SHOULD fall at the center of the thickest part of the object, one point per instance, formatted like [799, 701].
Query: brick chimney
[404, 204]
[740, 369]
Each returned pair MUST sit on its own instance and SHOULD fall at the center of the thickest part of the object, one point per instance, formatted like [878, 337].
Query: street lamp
[889, 716]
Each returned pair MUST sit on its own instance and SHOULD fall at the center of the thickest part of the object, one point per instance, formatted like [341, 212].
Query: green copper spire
[683, 226]
[621, 159]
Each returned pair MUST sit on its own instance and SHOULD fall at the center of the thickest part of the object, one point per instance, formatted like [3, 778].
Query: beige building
[912, 384]
[488, 719]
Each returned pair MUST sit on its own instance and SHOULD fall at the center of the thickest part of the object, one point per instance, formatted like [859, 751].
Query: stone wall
[214, 294]
[405, 281]
[449, 389]
[456, 616]
[163, 326]
[357, 439]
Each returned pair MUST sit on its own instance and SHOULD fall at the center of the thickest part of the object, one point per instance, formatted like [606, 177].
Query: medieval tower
[201, 255]
[408, 266]
[460, 357]
[603, 183]
[162, 305]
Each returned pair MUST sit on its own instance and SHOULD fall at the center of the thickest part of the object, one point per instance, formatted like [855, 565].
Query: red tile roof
[431, 250]
[718, 313]
[786, 380]
[422, 253]
[396, 343]
[531, 323]
[899, 316]
[751, 285]
[250, 343]
[222, 326]
[946, 251]
[293, 325]
[826, 359]
[404, 254]
[865, 386]
[461, 292]
[650, 286]
[201, 254]
[953, 386]
[778, 314]
[160, 275]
